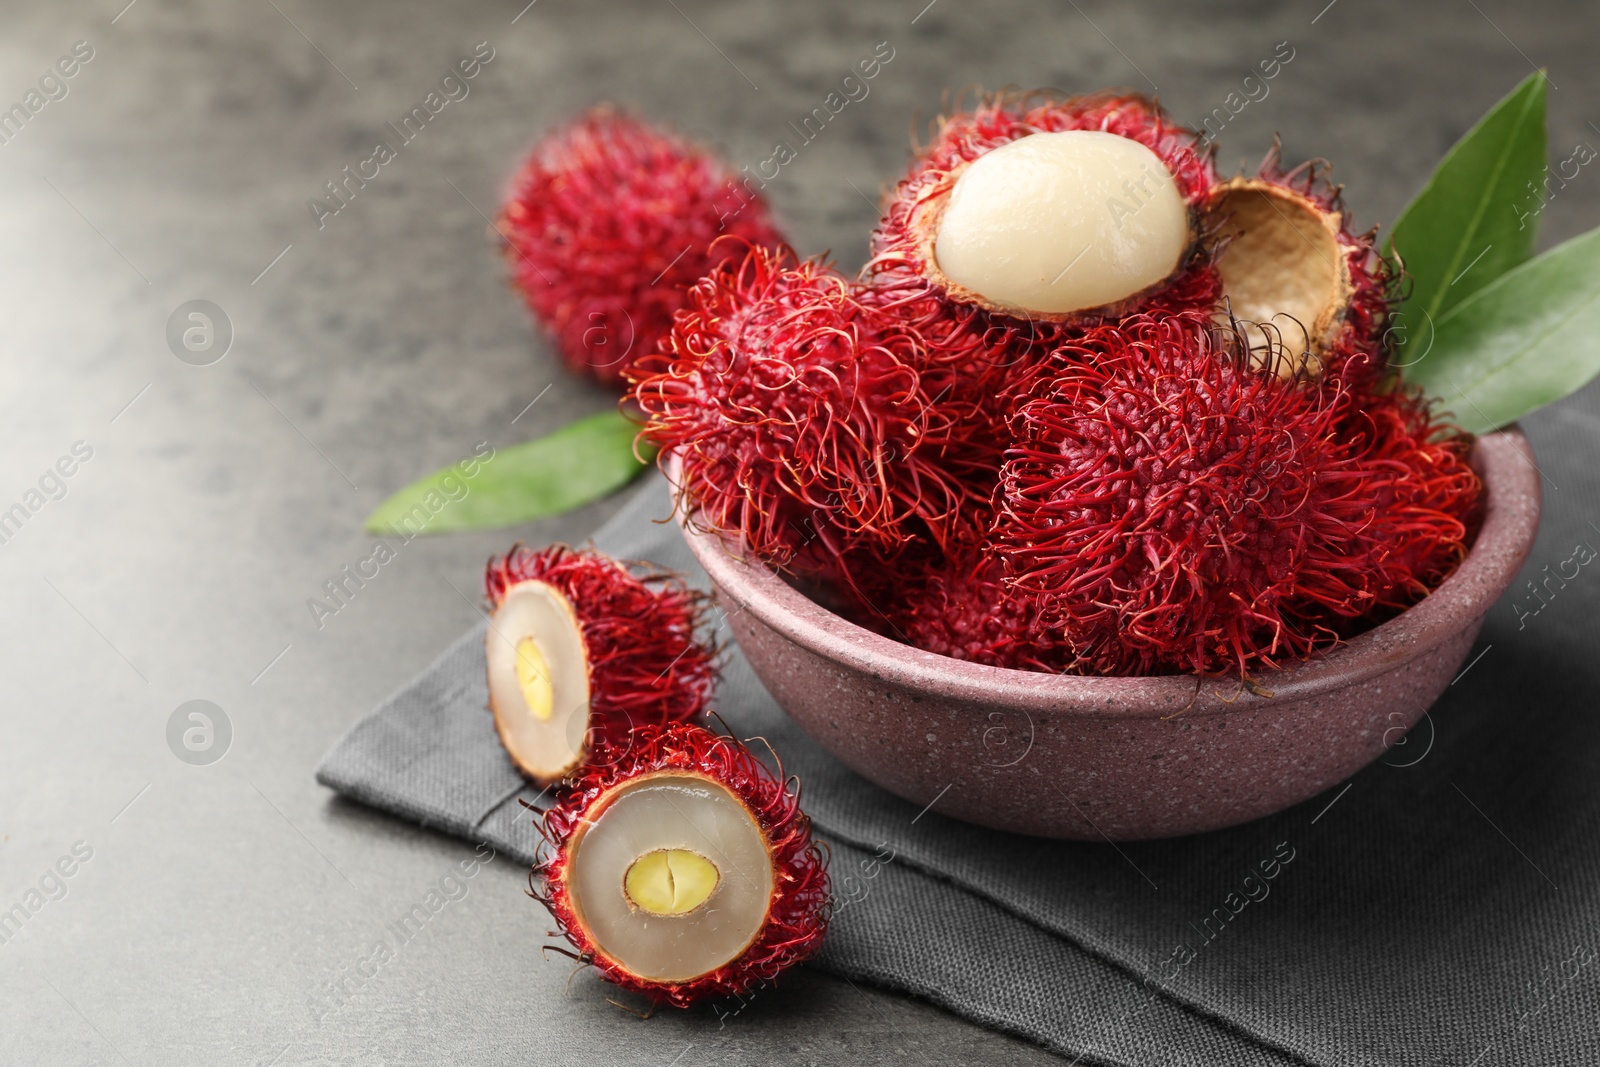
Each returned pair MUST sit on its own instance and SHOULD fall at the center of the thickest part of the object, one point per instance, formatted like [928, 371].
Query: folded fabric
[1439, 908]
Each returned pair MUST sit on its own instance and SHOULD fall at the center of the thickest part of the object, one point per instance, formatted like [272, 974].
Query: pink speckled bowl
[1121, 758]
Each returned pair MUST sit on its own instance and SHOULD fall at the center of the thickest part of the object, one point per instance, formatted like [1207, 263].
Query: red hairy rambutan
[963, 608]
[1419, 498]
[581, 649]
[682, 868]
[1177, 510]
[608, 222]
[799, 415]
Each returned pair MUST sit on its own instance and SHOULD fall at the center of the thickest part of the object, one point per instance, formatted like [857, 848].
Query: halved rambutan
[581, 649]
[800, 419]
[1052, 210]
[608, 222]
[1176, 509]
[683, 869]
[1310, 295]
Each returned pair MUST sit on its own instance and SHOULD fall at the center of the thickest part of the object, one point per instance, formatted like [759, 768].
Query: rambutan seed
[581, 650]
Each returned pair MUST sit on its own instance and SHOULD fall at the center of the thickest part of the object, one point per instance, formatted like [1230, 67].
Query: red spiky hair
[798, 412]
[605, 226]
[641, 633]
[1423, 498]
[797, 916]
[1177, 511]
[963, 608]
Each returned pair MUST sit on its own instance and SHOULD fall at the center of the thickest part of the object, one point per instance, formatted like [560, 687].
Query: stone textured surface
[221, 900]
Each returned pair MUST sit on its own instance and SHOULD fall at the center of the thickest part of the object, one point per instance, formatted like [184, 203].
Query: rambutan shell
[1284, 261]
[1310, 293]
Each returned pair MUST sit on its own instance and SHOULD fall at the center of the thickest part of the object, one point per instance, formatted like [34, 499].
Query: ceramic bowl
[1121, 758]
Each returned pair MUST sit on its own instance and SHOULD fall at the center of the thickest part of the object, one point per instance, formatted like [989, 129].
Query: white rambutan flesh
[1053, 223]
[673, 878]
[539, 680]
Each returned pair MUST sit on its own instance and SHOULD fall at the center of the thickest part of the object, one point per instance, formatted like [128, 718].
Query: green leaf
[1527, 339]
[1478, 216]
[581, 462]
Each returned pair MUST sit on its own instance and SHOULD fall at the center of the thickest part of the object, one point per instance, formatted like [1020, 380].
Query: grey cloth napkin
[1443, 907]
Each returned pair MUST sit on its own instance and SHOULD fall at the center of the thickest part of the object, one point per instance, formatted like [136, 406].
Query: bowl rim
[1504, 459]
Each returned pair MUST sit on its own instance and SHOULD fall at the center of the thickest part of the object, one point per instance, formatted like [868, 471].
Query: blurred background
[223, 893]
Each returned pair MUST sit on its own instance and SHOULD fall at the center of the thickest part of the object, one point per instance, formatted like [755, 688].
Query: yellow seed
[670, 881]
[533, 678]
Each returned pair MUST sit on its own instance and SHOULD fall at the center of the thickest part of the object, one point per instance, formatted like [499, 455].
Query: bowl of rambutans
[1098, 504]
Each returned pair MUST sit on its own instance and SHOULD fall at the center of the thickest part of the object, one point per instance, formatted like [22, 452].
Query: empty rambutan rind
[581, 649]
[1311, 295]
[607, 223]
[682, 868]
[797, 413]
[1177, 510]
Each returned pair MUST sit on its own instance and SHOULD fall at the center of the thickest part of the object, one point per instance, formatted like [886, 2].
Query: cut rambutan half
[1051, 210]
[581, 650]
[1309, 294]
[1176, 509]
[683, 869]
[799, 417]
[608, 222]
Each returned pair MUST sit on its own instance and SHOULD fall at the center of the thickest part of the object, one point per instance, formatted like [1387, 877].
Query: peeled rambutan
[683, 869]
[1177, 509]
[1052, 210]
[798, 414]
[581, 650]
[608, 222]
[1311, 295]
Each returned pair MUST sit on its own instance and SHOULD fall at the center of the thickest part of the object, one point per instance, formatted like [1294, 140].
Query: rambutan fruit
[1053, 210]
[1176, 509]
[1310, 294]
[1417, 499]
[608, 222]
[682, 868]
[798, 416]
[581, 650]
[965, 609]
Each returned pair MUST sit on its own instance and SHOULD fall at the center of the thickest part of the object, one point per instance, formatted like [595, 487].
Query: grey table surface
[219, 902]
